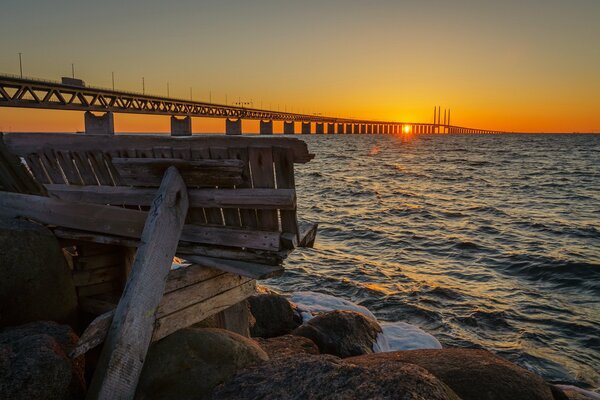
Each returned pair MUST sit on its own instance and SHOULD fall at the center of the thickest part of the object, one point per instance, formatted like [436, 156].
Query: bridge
[99, 105]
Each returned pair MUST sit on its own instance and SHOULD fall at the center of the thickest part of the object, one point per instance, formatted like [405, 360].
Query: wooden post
[130, 334]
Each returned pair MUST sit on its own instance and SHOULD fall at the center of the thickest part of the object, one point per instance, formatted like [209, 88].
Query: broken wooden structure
[123, 206]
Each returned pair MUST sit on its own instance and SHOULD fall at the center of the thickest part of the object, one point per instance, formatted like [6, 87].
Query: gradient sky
[527, 65]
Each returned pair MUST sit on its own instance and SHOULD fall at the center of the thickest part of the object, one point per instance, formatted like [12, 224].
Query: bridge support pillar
[266, 127]
[288, 127]
[348, 128]
[370, 129]
[181, 126]
[356, 129]
[319, 128]
[330, 128]
[306, 128]
[394, 129]
[233, 126]
[99, 124]
[340, 128]
[363, 128]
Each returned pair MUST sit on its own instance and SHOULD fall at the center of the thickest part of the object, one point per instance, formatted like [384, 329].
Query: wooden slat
[284, 199]
[123, 222]
[200, 311]
[99, 166]
[184, 248]
[250, 270]
[36, 167]
[261, 166]
[247, 216]
[94, 276]
[130, 334]
[193, 294]
[230, 217]
[14, 176]
[51, 166]
[205, 173]
[22, 144]
[99, 288]
[99, 260]
[93, 335]
[85, 170]
[65, 160]
[284, 173]
[190, 275]
[235, 319]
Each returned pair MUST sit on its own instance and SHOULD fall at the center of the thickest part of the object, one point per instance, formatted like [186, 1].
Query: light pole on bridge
[21, 64]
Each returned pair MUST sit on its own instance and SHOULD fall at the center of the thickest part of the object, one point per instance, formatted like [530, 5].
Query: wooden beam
[93, 335]
[207, 173]
[250, 270]
[22, 144]
[200, 311]
[308, 234]
[123, 222]
[130, 334]
[267, 199]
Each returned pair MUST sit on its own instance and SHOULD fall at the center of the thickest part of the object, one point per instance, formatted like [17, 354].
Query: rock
[189, 363]
[274, 315]
[341, 333]
[35, 281]
[472, 374]
[328, 377]
[34, 363]
[287, 345]
[574, 393]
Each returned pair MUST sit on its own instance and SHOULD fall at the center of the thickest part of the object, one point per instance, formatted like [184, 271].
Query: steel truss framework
[33, 93]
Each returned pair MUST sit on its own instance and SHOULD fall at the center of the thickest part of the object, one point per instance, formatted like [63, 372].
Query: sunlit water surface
[483, 241]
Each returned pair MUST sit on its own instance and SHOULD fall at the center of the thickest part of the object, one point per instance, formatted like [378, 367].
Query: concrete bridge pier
[355, 130]
[363, 128]
[181, 126]
[340, 129]
[370, 129]
[330, 128]
[99, 124]
[319, 128]
[306, 128]
[288, 127]
[348, 128]
[233, 126]
[386, 129]
[266, 127]
[394, 129]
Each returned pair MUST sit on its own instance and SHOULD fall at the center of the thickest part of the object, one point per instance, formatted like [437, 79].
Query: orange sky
[511, 65]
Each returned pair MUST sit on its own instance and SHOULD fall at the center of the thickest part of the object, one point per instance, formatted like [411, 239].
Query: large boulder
[287, 345]
[34, 363]
[328, 378]
[472, 374]
[35, 281]
[274, 315]
[189, 363]
[341, 333]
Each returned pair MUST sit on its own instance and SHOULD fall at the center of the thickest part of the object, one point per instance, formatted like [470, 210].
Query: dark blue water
[483, 241]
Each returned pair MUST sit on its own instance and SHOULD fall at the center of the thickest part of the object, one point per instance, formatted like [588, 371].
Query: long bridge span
[100, 104]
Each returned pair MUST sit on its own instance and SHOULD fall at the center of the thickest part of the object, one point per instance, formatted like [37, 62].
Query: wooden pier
[123, 206]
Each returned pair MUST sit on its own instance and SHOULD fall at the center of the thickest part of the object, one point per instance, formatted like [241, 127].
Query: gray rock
[34, 363]
[327, 377]
[35, 281]
[341, 333]
[287, 345]
[189, 363]
[274, 315]
[472, 374]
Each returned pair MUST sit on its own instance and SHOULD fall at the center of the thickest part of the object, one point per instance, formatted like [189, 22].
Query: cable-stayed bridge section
[100, 104]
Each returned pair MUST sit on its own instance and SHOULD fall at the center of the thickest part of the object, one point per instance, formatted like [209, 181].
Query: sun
[406, 129]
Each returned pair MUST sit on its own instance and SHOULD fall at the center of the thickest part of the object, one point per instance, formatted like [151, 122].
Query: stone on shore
[189, 363]
[35, 281]
[327, 377]
[274, 315]
[472, 374]
[34, 363]
[287, 345]
[341, 333]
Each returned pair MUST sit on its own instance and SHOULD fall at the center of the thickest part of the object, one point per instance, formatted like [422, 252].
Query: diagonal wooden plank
[130, 334]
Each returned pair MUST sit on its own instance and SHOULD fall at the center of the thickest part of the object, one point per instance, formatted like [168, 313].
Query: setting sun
[406, 129]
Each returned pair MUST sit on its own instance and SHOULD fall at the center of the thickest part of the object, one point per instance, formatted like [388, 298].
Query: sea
[483, 241]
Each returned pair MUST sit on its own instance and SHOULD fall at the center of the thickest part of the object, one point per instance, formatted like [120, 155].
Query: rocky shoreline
[317, 347]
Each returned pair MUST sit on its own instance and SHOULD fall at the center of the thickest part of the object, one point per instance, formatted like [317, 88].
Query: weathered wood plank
[236, 319]
[123, 222]
[97, 305]
[190, 275]
[98, 275]
[99, 260]
[51, 166]
[250, 270]
[65, 160]
[130, 334]
[14, 176]
[99, 288]
[261, 165]
[230, 217]
[98, 164]
[198, 312]
[201, 173]
[283, 199]
[308, 234]
[190, 295]
[284, 173]
[22, 144]
[247, 216]
[36, 167]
